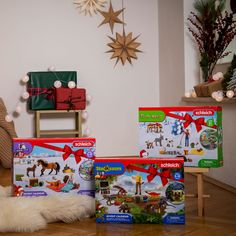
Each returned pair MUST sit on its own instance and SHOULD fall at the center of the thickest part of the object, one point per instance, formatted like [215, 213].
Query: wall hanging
[111, 17]
[123, 47]
[90, 6]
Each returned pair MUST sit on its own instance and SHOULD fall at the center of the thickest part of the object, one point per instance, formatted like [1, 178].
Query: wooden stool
[77, 132]
[200, 196]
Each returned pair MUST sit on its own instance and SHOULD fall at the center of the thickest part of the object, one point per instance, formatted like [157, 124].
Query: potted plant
[213, 29]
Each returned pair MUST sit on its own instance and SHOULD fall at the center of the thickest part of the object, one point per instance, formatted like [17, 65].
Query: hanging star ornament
[124, 47]
[90, 6]
[111, 17]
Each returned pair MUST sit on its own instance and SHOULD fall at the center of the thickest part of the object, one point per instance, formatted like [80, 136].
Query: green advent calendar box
[192, 132]
[138, 190]
[42, 90]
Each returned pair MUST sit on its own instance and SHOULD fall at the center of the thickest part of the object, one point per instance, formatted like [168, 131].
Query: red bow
[50, 93]
[164, 175]
[153, 172]
[198, 122]
[68, 151]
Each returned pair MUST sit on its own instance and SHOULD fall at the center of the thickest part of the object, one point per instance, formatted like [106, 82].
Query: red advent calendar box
[192, 132]
[55, 166]
[70, 99]
[139, 190]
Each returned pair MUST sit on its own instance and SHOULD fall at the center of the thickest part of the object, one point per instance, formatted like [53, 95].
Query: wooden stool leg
[37, 124]
[200, 194]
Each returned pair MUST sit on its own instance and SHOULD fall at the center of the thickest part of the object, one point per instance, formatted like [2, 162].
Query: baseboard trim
[220, 184]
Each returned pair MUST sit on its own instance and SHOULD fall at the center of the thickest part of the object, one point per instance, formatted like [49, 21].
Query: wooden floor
[220, 218]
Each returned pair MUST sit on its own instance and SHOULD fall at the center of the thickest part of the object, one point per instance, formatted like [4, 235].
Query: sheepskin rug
[39, 211]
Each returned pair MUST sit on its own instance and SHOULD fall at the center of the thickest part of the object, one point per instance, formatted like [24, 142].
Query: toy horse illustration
[31, 169]
[45, 165]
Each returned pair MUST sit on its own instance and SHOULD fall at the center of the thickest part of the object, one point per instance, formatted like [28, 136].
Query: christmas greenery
[228, 76]
[213, 31]
[232, 83]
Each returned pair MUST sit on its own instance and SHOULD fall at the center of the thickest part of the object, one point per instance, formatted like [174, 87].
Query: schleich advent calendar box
[55, 166]
[192, 132]
[138, 190]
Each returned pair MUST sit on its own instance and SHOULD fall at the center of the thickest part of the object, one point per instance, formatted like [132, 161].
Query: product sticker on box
[192, 132]
[55, 166]
[137, 190]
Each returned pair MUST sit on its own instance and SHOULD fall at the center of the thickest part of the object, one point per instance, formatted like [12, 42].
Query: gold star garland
[124, 47]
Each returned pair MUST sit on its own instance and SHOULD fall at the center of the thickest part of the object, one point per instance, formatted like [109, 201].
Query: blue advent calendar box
[138, 190]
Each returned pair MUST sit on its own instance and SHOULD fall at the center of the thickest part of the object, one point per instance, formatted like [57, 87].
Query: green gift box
[42, 90]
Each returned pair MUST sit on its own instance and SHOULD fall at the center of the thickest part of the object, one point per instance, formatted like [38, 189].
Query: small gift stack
[70, 99]
[55, 90]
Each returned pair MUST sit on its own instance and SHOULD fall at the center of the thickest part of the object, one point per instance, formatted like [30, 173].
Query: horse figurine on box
[48, 166]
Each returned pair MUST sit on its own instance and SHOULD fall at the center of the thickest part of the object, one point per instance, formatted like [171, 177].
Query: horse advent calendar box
[192, 132]
[138, 190]
[55, 166]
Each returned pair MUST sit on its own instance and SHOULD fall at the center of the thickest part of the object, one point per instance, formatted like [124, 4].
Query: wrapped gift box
[211, 87]
[55, 166]
[198, 89]
[70, 99]
[207, 88]
[192, 132]
[138, 190]
[41, 88]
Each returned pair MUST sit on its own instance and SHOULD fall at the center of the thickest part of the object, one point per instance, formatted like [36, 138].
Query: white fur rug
[31, 214]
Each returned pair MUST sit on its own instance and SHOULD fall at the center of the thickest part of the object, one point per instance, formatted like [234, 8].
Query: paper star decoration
[124, 48]
[90, 6]
[111, 17]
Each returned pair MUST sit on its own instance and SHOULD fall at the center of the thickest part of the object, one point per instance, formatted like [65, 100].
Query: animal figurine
[149, 144]
[51, 166]
[31, 169]
[121, 192]
[21, 214]
[159, 140]
[124, 208]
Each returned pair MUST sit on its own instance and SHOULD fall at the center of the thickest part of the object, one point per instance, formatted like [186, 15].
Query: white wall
[171, 49]
[191, 61]
[37, 34]
[225, 174]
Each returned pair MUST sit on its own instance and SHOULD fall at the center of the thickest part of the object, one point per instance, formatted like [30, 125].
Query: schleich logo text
[84, 143]
[203, 112]
[170, 165]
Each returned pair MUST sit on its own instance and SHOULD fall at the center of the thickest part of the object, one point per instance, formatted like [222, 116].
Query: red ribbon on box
[71, 102]
[153, 172]
[68, 151]
[78, 154]
[199, 122]
[48, 92]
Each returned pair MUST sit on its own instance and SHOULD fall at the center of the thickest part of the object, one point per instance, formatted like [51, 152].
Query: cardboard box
[137, 190]
[192, 132]
[55, 166]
